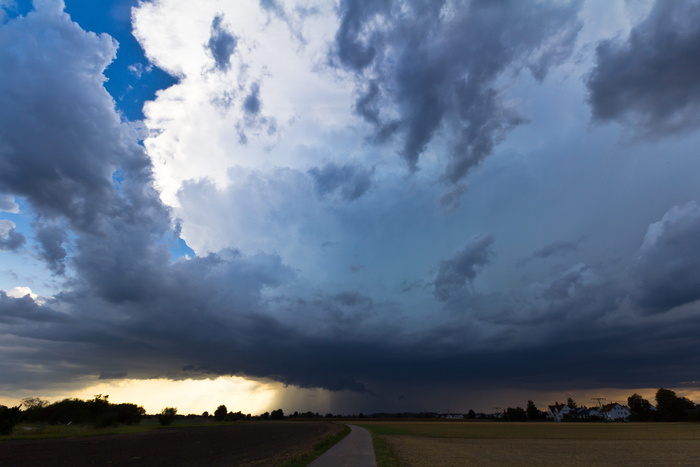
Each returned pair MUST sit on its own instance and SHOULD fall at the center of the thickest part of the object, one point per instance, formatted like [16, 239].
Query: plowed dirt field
[253, 444]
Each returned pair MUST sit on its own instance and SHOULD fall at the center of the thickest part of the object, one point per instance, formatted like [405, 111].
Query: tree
[9, 417]
[471, 414]
[640, 408]
[220, 413]
[33, 408]
[277, 415]
[532, 412]
[515, 414]
[167, 415]
[671, 407]
[571, 403]
[129, 414]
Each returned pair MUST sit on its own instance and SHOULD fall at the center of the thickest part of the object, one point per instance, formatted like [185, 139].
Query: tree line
[669, 408]
[99, 412]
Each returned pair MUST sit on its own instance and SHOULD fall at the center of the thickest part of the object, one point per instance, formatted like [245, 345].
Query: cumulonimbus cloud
[429, 67]
[649, 81]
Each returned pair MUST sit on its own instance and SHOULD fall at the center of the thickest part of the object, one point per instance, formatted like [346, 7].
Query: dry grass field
[528, 444]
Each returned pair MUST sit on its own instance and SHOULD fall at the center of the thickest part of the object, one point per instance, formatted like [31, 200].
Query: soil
[249, 444]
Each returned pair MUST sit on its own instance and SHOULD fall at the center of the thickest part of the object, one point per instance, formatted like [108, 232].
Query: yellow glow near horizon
[189, 396]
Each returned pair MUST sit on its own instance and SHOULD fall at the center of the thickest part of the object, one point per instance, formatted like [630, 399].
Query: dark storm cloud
[51, 239]
[10, 239]
[668, 266]
[24, 309]
[273, 6]
[555, 249]
[563, 287]
[61, 155]
[651, 80]
[454, 273]
[349, 180]
[222, 43]
[253, 118]
[128, 310]
[252, 103]
[425, 67]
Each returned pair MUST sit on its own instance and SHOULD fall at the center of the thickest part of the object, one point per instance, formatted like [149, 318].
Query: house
[615, 412]
[557, 412]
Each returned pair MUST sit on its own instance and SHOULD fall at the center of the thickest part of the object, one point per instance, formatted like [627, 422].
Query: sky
[349, 206]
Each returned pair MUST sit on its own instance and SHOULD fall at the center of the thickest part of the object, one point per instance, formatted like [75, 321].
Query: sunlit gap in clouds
[189, 396]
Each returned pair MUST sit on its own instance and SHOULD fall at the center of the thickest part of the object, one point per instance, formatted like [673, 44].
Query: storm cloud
[10, 239]
[454, 273]
[667, 276]
[649, 81]
[222, 43]
[349, 180]
[317, 263]
[432, 67]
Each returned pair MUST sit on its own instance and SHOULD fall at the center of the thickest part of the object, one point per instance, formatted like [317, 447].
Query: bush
[129, 414]
[220, 413]
[9, 417]
[167, 415]
[106, 420]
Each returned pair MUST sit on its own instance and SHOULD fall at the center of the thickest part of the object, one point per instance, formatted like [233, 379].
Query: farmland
[493, 443]
[246, 443]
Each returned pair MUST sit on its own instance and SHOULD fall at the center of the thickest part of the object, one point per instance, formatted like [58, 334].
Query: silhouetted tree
[33, 409]
[129, 414]
[235, 416]
[277, 415]
[517, 414]
[220, 413]
[640, 408]
[167, 416]
[205, 414]
[9, 417]
[671, 407]
[532, 412]
[471, 414]
[571, 403]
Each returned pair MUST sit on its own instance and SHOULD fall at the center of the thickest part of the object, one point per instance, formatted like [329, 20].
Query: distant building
[557, 412]
[615, 412]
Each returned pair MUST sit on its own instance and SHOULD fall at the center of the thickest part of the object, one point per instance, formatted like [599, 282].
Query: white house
[557, 411]
[615, 412]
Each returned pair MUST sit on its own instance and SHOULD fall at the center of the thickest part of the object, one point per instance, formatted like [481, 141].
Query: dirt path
[251, 444]
[355, 450]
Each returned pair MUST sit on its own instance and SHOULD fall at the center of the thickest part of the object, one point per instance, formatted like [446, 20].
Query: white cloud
[196, 125]
[19, 292]
[5, 227]
[7, 204]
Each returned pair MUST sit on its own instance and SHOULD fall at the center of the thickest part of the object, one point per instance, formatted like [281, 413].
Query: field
[422, 443]
[244, 444]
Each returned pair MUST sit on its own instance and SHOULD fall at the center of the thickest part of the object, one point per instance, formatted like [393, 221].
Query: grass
[319, 448]
[45, 431]
[385, 456]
